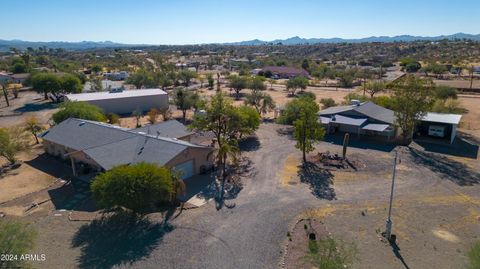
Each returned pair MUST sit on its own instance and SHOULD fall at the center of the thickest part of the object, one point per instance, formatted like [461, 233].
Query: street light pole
[388, 231]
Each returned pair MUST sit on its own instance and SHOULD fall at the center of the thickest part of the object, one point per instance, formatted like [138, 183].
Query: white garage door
[185, 169]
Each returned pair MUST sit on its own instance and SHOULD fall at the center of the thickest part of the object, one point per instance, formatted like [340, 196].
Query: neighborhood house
[94, 146]
[124, 102]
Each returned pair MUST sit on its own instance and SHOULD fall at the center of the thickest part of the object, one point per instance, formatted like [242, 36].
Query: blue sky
[204, 21]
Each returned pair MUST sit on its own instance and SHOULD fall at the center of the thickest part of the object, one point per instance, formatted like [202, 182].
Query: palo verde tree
[70, 83]
[227, 122]
[261, 101]
[79, 110]
[412, 98]
[46, 83]
[296, 83]
[373, 87]
[238, 83]
[12, 141]
[139, 187]
[186, 76]
[307, 128]
[16, 238]
[32, 126]
[184, 100]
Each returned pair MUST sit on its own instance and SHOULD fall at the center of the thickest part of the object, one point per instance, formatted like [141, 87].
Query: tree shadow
[454, 171]
[250, 143]
[34, 107]
[120, 238]
[320, 180]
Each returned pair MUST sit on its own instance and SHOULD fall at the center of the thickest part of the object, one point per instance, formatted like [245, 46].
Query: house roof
[375, 127]
[368, 109]
[171, 128]
[286, 70]
[91, 96]
[442, 118]
[347, 120]
[109, 145]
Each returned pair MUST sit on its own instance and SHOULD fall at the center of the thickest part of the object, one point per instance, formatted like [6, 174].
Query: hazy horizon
[195, 22]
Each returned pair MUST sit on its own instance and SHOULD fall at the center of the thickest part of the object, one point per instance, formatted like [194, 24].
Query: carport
[448, 121]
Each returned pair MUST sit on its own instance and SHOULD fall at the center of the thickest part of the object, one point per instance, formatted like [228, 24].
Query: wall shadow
[319, 179]
[361, 142]
[121, 238]
[460, 147]
[454, 171]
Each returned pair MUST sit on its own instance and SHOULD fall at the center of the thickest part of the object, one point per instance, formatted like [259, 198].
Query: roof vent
[81, 123]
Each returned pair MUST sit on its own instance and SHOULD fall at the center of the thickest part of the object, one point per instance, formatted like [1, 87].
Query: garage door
[185, 169]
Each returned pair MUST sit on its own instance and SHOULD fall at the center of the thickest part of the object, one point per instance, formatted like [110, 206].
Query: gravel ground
[436, 197]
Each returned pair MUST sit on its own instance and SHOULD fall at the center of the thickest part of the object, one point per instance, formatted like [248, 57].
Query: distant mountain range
[405, 38]
[5, 45]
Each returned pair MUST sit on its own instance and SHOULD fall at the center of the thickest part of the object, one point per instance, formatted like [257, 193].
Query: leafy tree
[19, 68]
[226, 122]
[384, 101]
[307, 128]
[16, 238]
[345, 80]
[435, 68]
[412, 99]
[448, 105]
[445, 92]
[45, 83]
[186, 76]
[295, 83]
[12, 141]
[257, 84]
[96, 84]
[327, 102]
[184, 100]
[96, 68]
[305, 64]
[413, 67]
[238, 83]
[473, 256]
[32, 126]
[262, 102]
[210, 80]
[79, 110]
[138, 187]
[71, 83]
[164, 79]
[142, 78]
[374, 87]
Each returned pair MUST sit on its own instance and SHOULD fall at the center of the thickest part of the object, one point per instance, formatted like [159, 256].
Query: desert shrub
[327, 102]
[445, 92]
[474, 256]
[16, 238]
[448, 106]
[330, 254]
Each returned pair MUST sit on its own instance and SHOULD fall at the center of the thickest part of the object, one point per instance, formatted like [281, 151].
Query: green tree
[327, 102]
[32, 126]
[373, 87]
[238, 83]
[45, 83]
[413, 67]
[185, 100]
[139, 187]
[79, 110]
[19, 68]
[292, 109]
[412, 99]
[12, 141]
[16, 238]
[262, 102]
[186, 76]
[71, 83]
[226, 122]
[210, 80]
[473, 256]
[307, 128]
[142, 79]
[445, 92]
[96, 68]
[96, 84]
[257, 84]
[295, 83]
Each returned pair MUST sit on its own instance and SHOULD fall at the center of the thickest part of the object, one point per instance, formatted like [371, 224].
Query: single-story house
[370, 119]
[170, 128]
[99, 146]
[359, 118]
[13, 78]
[123, 101]
[285, 72]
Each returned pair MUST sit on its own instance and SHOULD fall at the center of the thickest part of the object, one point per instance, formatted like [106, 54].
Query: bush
[327, 102]
[16, 238]
[448, 106]
[385, 101]
[413, 67]
[80, 110]
[137, 187]
[445, 92]
[474, 256]
[305, 94]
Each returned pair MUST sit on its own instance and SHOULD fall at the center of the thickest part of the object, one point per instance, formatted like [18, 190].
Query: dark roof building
[285, 71]
[104, 145]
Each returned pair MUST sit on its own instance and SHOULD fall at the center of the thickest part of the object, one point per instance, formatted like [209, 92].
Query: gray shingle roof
[109, 145]
[347, 120]
[368, 109]
[171, 128]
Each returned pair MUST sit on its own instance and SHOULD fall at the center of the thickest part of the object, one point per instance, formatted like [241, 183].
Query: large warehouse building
[124, 102]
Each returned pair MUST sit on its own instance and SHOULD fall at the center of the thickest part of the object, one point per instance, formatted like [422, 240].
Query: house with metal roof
[359, 118]
[94, 147]
[123, 101]
[370, 119]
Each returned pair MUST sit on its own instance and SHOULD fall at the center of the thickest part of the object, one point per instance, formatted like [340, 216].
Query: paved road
[246, 236]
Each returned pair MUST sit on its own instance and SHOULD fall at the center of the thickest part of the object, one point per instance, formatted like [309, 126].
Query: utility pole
[388, 232]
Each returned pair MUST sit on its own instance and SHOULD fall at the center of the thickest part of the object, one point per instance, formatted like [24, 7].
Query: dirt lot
[471, 120]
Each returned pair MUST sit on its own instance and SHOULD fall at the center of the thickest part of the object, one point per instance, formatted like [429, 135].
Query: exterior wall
[60, 151]
[130, 104]
[198, 155]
